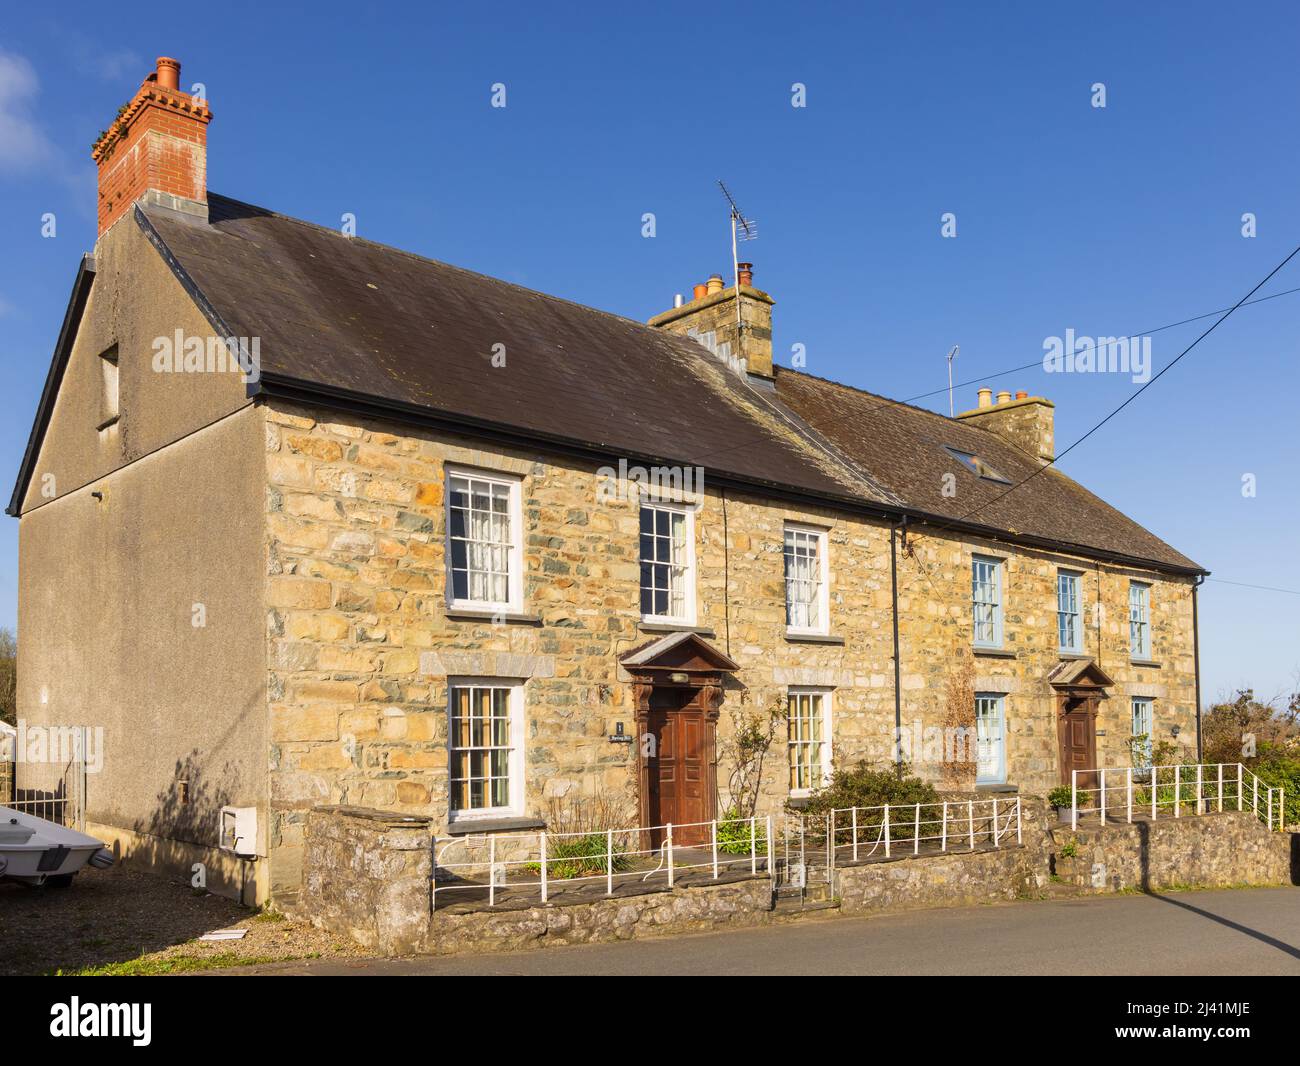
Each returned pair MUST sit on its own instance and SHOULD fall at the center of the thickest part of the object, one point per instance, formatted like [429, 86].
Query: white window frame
[515, 766]
[999, 701]
[688, 566]
[515, 548]
[999, 586]
[1139, 620]
[827, 697]
[1075, 578]
[822, 603]
[1143, 761]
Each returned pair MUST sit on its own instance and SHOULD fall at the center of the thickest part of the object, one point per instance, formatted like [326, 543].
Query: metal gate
[805, 865]
[58, 798]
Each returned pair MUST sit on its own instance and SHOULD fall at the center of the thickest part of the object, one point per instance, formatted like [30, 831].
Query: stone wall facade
[1209, 851]
[361, 644]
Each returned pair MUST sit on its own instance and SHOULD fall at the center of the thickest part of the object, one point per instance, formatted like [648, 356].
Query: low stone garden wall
[1209, 851]
[368, 875]
[952, 879]
[693, 909]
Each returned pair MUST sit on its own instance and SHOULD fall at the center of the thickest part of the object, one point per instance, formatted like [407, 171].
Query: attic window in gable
[108, 401]
[977, 466]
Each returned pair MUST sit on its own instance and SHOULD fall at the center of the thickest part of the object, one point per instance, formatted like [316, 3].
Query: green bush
[1281, 770]
[733, 834]
[583, 856]
[1061, 796]
[863, 786]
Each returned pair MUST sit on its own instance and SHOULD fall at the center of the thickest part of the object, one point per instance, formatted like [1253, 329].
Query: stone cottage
[309, 520]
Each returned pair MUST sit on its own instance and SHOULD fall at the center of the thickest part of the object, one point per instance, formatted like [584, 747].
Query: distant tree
[1265, 737]
[8, 677]
[1243, 729]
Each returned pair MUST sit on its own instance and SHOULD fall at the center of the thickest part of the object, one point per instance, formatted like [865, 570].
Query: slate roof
[378, 322]
[345, 318]
[903, 448]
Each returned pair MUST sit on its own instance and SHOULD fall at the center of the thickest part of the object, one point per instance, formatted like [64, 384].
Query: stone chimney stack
[1026, 421]
[710, 318]
[157, 145]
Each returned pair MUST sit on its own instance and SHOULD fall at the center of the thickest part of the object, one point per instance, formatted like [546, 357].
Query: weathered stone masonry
[360, 642]
[369, 877]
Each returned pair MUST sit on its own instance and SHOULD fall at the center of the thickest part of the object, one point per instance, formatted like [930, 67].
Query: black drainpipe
[726, 575]
[898, 695]
[1196, 660]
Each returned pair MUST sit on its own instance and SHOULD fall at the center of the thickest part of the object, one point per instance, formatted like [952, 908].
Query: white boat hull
[34, 850]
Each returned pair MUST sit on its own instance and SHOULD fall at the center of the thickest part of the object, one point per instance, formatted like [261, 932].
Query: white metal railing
[541, 864]
[58, 809]
[1193, 788]
[861, 833]
[547, 862]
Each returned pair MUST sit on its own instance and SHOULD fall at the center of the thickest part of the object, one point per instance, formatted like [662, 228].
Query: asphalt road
[1247, 931]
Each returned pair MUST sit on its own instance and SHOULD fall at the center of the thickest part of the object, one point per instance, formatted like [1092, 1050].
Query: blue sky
[1107, 221]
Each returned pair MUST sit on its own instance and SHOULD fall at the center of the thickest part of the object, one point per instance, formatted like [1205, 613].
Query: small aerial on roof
[742, 229]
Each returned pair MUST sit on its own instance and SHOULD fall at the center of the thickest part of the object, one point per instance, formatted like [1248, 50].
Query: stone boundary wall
[693, 909]
[952, 879]
[1209, 850]
[368, 876]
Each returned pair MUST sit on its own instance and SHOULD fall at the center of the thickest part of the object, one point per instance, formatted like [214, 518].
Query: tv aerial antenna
[742, 229]
[951, 356]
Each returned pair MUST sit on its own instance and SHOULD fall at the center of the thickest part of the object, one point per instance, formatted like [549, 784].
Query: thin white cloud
[23, 144]
[91, 55]
[116, 65]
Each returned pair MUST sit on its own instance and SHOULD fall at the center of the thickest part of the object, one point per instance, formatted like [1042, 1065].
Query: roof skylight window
[977, 466]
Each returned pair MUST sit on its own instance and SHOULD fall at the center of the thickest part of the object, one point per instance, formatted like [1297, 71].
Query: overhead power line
[1223, 317]
[884, 402]
[1245, 585]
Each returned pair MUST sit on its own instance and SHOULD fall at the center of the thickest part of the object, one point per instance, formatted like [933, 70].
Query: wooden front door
[1077, 730]
[679, 772]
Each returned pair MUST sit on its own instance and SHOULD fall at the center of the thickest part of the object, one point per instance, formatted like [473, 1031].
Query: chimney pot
[746, 272]
[156, 146]
[1030, 427]
[738, 335]
[1022, 395]
[169, 73]
[677, 300]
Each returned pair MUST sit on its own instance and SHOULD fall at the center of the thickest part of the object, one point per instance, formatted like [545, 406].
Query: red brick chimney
[158, 142]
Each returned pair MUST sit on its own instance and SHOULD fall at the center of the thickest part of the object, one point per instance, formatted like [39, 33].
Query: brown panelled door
[678, 777]
[1077, 730]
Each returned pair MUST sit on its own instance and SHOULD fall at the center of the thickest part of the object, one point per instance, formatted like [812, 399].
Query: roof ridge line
[887, 401]
[443, 263]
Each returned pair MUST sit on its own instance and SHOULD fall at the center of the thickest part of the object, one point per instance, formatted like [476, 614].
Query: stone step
[1065, 890]
[797, 904]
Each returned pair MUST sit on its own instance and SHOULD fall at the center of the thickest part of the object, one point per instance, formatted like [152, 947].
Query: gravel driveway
[115, 916]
